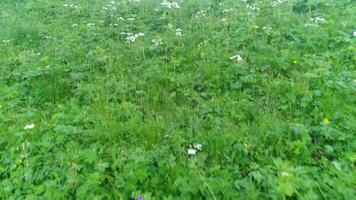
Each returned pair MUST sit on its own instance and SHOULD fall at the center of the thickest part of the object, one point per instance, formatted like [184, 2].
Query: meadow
[183, 99]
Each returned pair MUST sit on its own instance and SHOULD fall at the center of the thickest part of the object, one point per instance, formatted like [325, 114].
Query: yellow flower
[295, 62]
[326, 121]
[246, 145]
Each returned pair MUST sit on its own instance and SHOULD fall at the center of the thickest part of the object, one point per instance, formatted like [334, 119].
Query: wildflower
[326, 121]
[178, 32]
[284, 174]
[170, 5]
[267, 29]
[198, 147]
[70, 5]
[295, 62]
[157, 41]
[140, 198]
[192, 152]
[354, 34]
[29, 126]
[170, 25]
[6, 41]
[228, 10]
[131, 38]
[277, 2]
[314, 22]
[236, 57]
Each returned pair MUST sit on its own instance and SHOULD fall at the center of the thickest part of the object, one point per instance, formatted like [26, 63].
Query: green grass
[114, 119]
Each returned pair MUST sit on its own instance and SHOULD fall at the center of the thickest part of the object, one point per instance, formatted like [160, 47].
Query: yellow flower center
[326, 121]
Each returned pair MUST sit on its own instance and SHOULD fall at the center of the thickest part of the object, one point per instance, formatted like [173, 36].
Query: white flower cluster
[267, 29]
[127, 19]
[132, 37]
[200, 14]
[111, 6]
[157, 41]
[253, 7]
[193, 151]
[315, 21]
[179, 32]
[276, 3]
[70, 5]
[133, 1]
[237, 58]
[6, 41]
[170, 5]
[229, 10]
[29, 126]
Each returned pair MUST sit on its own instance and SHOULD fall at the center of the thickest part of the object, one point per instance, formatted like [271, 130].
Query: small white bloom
[131, 38]
[6, 41]
[198, 147]
[70, 5]
[178, 32]
[170, 25]
[170, 5]
[284, 174]
[29, 126]
[354, 34]
[236, 57]
[157, 41]
[192, 152]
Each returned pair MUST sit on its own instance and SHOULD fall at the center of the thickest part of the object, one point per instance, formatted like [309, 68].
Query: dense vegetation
[194, 99]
